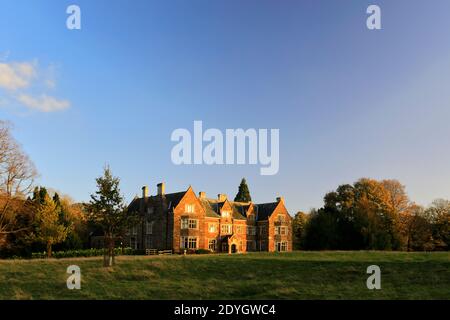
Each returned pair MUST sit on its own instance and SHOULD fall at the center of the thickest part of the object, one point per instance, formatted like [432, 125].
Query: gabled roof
[210, 208]
[265, 210]
[135, 204]
[172, 200]
[215, 206]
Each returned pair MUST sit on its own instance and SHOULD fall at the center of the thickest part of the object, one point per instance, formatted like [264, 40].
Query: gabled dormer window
[226, 214]
[189, 208]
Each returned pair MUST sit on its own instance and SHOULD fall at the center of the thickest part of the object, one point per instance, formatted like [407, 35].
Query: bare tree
[17, 174]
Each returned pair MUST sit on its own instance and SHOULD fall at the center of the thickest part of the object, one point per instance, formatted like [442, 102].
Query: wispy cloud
[43, 103]
[16, 78]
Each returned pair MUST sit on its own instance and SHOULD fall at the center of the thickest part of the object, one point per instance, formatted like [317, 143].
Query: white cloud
[15, 75]
[43, 103]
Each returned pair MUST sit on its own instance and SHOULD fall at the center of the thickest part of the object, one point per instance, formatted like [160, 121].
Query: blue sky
[349, 102]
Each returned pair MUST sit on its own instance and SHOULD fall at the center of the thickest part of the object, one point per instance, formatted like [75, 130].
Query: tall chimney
[161, 188]
[202, 195]
[221, 197]
[144, 192]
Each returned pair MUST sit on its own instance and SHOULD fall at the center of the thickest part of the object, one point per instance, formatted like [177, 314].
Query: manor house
[185, 221]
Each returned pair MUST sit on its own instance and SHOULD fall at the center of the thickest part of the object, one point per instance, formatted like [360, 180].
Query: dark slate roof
[242, 207]
[135, 204]
[215, 205]
[210, 208]
[265, 210]
[172, 200]
[239, 210]
[237, 213]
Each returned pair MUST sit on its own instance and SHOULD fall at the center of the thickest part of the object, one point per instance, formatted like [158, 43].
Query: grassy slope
[297, 275]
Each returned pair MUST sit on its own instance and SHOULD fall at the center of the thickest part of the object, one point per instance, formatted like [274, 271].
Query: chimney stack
[280, 199]
[144, 192]
[221, 197]
[202, 195]
[161, 188]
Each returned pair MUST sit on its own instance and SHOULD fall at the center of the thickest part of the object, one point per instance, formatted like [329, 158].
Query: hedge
[86, 253]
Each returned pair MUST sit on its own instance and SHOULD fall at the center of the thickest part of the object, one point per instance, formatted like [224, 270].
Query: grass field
[296, 275]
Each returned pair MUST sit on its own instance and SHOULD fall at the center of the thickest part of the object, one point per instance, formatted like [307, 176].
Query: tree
[243, 194]
[50, 229]
[107, 209]
[375, 218]
[73, 215]
[365, 215]
[439, 213]
[17, 174]
[321, 231]
[418, 229]
[299, 226]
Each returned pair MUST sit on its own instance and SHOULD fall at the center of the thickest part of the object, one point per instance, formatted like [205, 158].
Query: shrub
[202, 251]
[93, 252]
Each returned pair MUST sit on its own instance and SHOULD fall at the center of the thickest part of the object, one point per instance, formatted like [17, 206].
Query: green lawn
[296, 275]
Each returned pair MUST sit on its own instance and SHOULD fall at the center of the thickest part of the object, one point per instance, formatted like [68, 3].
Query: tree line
[373, 215]
[370, 214]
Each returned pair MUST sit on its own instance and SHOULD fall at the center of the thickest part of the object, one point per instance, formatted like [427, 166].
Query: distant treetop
[243, 194]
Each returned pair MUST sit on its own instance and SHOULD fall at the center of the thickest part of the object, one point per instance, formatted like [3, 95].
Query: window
[225, 214]
[224, 247]
[149, 227]
[212, 244]
[188, 243]
[239, 229]
[281, 231]
[262, 230]
[184, 223]
[226, 229]
[281, 218]
[148, 242]
[251, 245]
[281, 246]
[187, 223]
[192, 243]
[193, 224]
[263, 245]
[189, 208]
[134, 230]
[251, 230]
[212, 227]
[133, 243]
[251, 218]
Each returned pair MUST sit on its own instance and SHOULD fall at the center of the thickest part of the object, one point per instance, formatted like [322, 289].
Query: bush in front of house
[93, 252]
[202, 251]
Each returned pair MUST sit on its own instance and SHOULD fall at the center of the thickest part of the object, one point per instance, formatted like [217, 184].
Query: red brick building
[184, 221]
